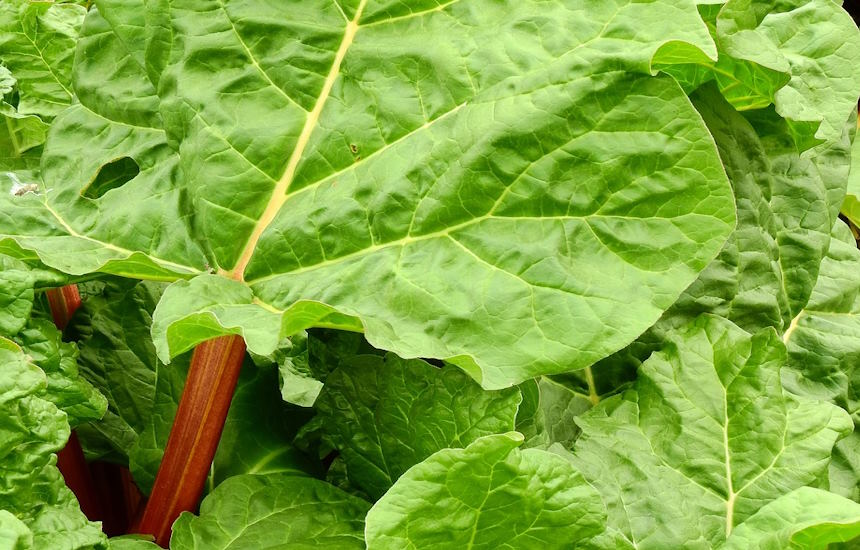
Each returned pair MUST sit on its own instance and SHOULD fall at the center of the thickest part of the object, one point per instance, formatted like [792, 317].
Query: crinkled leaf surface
[813, 41]
[66, 388]
[807, 519]
[32, 429]
[18, 281]
[489, 495]
[386, 414]
[851, 206]
[824, 339]
[787, 203]
[326, 179]
[37, 44]
[273, 510]
[824, 350]
[118, 124]
[705, 439]
[546, 415]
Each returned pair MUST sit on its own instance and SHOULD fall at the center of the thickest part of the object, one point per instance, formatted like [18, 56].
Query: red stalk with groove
[194, 436]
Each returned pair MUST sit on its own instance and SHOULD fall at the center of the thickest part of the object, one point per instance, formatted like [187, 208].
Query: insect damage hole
[112, 175]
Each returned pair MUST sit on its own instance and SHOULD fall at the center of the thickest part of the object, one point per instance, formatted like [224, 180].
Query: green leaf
[814, 41]
[37, 44]
[824, 350]
[824, 339]
[851, 206]
[116, 354]
[14, 534]
[488, 495]
[31, 487]
[546, 415]
[705, 439]
[117, 122]
[386, 414]
[845, 467]
[254, 511]
[322, 179]
[132, 542]
[18, 281]
[807, 518]
[787, 203]
[66, 388]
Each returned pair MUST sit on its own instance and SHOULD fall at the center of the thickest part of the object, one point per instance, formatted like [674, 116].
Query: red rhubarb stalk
[194, 436]
[70, 460]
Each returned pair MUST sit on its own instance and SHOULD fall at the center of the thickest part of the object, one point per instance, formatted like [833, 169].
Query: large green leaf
[824, 350]
[705, 439]
[489, 495]
[824, 339]
[274, 510]
[386, 414]
[31, 488]
[326, 167]
[807, 519]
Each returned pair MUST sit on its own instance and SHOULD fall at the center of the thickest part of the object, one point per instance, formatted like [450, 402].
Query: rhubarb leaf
[546, 415]
[306, 168]
[489, 495]
[851, 206]
[386, 414]
[807, 518]
[37, 45]
[705, 439]
[31, 487]
[813, 41]
[824, 339]
[254, 511]
[129, 169]
[787, 203]
[66, 388]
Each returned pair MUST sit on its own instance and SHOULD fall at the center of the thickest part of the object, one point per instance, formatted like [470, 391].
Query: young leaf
[489, 495]
[251, 511]
[387, 414]
[705, 439]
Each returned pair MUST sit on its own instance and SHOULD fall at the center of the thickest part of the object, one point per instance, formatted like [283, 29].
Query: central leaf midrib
[279, 193]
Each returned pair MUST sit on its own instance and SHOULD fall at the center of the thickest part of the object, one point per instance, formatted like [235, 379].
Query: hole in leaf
[112, 175]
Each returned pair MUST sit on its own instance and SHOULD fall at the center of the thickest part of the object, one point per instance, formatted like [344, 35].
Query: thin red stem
[194, 436]
[73, 466]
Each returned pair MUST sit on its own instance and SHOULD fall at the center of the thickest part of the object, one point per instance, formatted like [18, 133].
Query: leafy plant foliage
[510, 273]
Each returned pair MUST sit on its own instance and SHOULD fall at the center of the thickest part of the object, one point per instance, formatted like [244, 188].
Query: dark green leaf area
[386, 414]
